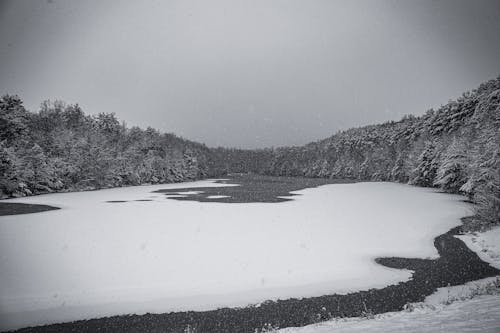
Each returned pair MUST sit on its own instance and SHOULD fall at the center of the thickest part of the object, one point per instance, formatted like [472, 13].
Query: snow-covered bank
[93, 258]
[480, 314]
[472, 307]
[485, 244]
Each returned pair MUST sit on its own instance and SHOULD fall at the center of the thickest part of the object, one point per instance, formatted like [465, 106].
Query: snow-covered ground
[93, 258]
[473, 307]
[485, 244]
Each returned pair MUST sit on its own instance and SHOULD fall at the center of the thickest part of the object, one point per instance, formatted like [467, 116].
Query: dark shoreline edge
[14, 208]
[456, 265]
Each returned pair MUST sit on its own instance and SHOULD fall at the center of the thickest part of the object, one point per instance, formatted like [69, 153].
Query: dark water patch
[143, 200]
[252, 188]
[14, 208]
[456, 265]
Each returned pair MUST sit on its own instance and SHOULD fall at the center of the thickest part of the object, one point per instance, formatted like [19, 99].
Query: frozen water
[93, 259]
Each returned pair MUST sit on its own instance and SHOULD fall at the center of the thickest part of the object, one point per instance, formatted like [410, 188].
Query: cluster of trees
[455, 148]
[60, 148]
[232, 160]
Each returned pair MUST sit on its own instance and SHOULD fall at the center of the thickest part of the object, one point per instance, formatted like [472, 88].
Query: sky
[253, 73]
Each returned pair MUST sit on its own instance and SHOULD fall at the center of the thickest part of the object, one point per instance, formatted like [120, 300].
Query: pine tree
[398, 172]
[13, 118]
[8, 168]
[451, 175]
[426, 170]
[488, 189]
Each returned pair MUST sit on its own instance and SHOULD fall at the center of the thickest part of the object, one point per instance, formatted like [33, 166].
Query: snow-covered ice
[189, 192]
[93, 258]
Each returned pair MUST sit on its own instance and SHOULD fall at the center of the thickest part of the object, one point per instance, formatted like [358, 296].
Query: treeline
[455, 148]
[60, 148]
[231, 160]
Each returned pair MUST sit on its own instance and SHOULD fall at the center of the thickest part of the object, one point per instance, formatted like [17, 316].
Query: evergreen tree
[8, 169]
[425, 172]
[488, 197]
[398, 172]
[451, 175]
[13, 118]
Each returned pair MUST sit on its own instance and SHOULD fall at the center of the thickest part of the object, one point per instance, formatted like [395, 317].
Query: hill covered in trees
[60, 148]
[455, 148]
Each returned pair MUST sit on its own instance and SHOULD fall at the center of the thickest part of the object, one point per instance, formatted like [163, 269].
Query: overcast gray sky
[254, 73]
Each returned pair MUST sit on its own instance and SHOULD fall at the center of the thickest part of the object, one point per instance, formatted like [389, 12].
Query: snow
[447, 295]
[472, 307]
[217, 196]
[189, 192]
[93, 258]
[485, 244]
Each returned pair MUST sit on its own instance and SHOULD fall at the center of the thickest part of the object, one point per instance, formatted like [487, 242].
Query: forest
[455, 148]
[60, 148]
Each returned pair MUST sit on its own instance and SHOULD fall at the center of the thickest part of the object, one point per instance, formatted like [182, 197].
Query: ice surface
[92, 258]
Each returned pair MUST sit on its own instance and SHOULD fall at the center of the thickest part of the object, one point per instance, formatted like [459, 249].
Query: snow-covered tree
[37, 171]
[425, 172]
[13, 118]
[451, 174]
[398, 172]
[488, 195]
[8, 171]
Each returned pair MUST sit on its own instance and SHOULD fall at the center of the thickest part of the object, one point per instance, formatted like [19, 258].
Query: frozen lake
[95, 258]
